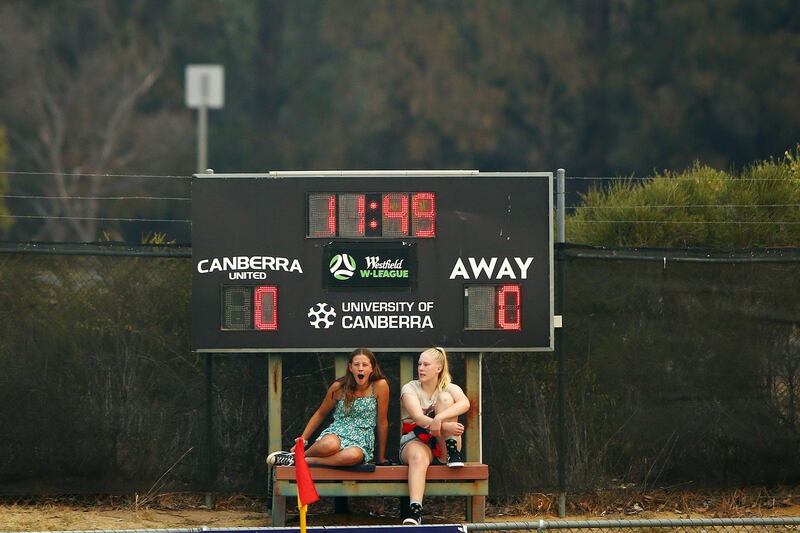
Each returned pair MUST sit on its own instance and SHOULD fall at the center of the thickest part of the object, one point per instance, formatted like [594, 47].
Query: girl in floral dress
[360, 400]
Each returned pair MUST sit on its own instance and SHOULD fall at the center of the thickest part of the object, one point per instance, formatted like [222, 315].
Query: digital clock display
[371, 215]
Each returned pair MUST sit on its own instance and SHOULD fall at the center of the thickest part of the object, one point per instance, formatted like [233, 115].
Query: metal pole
[202, 138]
[210, 472]
[559, 342]
[560, 187]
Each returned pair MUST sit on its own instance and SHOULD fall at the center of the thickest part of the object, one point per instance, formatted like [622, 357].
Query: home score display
[392, 260]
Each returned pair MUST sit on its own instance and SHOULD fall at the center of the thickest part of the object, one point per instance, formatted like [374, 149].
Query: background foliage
[678, 371]
[98, 388]
[601, 88]
[701, 206]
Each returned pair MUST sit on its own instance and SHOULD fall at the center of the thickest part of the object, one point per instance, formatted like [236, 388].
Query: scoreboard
[391, 260]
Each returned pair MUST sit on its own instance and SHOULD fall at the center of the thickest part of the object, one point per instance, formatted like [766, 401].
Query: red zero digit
[266, 308]
[508, 315]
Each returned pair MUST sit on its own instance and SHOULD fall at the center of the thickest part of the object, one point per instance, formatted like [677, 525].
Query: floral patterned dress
[356, 427]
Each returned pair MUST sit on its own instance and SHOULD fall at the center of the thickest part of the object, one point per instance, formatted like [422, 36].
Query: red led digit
[321, 215]
[508, 312]
[352, 212]
[395, 214]
[361, 214]
[332, 215]
[266, 309]
[423, 211]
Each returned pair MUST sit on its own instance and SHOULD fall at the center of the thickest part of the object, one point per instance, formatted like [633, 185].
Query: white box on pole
[205, 86]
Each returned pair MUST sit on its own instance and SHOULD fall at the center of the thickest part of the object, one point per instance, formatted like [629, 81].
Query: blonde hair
[440, 356]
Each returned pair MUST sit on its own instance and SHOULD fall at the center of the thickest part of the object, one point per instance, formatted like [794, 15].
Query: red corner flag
[306, 491]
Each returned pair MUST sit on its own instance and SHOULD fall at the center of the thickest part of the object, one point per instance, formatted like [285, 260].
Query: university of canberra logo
[342, 266]
[321, 315]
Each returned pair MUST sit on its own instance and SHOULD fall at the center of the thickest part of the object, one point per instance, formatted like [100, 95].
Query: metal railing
[689, 525]
[698, 525]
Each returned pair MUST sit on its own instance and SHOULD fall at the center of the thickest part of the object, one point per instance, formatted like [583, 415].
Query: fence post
[559, 344]
[210, 466]
[561, 231]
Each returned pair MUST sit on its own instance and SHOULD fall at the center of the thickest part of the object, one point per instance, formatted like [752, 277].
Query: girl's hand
[295, 445]
[453, 428]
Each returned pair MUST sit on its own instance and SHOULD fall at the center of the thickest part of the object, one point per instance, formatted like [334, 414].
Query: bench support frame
[475, 490]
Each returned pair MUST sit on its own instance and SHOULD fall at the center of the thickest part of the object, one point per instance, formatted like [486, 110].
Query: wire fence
[699, 525]
[682, 367]
[689, 525]
[58, 214]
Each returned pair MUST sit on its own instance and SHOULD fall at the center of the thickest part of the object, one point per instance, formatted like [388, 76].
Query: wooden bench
[471, 480]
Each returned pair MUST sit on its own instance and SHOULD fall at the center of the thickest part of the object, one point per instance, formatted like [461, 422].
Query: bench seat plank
[390, 488]
[470, 471]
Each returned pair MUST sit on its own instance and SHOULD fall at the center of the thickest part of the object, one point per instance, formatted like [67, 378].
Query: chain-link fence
[702, 525]
[682, 367]
[688, 525]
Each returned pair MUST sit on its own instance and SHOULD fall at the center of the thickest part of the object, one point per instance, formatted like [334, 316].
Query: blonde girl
[429, 409]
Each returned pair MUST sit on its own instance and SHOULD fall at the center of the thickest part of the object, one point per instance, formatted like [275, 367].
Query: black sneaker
[281, 458]
[414, 517]
[454, 456]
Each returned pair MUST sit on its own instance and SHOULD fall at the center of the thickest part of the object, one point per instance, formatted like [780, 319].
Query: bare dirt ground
[188, 510]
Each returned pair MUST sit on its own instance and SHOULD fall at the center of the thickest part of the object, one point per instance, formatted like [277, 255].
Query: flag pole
[306, 492]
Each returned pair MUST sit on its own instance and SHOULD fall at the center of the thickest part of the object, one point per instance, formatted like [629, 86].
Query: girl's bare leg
[328, 445]
[417, 455]
[348, 457]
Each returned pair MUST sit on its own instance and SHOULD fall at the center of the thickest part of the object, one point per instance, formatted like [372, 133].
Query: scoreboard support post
[274, 395]
[209, 430]
[473, 417]
[476, 505]
[406, 368]
[340, 367]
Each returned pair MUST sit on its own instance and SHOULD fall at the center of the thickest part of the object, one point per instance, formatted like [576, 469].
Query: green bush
[700, 206]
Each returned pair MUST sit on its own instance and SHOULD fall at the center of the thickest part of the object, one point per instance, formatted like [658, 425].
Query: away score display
[493, 307]
[371, 215]
[394, 260]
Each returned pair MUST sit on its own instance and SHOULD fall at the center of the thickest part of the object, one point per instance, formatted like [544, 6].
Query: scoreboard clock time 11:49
[371, 215]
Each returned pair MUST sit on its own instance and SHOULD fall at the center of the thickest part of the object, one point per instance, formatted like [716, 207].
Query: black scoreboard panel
[392, 261]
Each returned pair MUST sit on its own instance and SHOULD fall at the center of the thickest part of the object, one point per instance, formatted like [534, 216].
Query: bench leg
[340, 505]
[278, 510]
[405, 501]
[476, 509]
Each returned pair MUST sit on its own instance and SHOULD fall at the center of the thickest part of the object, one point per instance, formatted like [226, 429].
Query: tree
[673, 82]
[700, 206]
[76, 78]
[491, 85]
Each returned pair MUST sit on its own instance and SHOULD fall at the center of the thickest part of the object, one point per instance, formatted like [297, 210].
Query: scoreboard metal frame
[324, 261]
